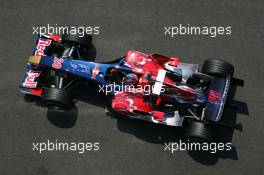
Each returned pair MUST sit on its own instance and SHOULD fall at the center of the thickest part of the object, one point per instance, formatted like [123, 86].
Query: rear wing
[218, 92]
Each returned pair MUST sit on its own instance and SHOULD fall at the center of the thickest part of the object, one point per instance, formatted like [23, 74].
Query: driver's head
[131, 79]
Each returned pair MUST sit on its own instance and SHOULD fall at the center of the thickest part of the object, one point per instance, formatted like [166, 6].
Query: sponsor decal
[42, 44]
[30, 79]
[95, 71]
[214, 97]
[57, 63]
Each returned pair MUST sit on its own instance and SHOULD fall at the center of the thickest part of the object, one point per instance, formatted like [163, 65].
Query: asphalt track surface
[130, 147]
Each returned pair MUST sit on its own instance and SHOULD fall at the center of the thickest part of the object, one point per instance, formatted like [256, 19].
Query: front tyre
[75, 39]
[57, 98]
[77, 47]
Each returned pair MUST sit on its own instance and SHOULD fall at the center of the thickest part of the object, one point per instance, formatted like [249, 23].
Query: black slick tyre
[85, 40]
[55, 97]
[218, 66]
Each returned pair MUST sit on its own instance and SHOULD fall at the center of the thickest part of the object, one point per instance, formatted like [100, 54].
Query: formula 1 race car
[149, 87]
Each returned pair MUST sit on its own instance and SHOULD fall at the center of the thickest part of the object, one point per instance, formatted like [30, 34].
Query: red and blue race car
[149, 87]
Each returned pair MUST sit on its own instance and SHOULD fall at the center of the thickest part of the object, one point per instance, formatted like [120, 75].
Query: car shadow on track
[156, 133]
[59, 118]
[163, 134]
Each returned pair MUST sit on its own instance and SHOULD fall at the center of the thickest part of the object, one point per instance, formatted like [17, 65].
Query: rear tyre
[57, 98]
[217, 66]
[198, 132]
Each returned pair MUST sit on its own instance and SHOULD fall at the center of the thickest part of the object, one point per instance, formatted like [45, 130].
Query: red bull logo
[42, 44]
[30, 79]
[214, 97]
[95, 71]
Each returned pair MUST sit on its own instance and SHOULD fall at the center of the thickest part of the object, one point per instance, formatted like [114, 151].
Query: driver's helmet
[131, 79]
